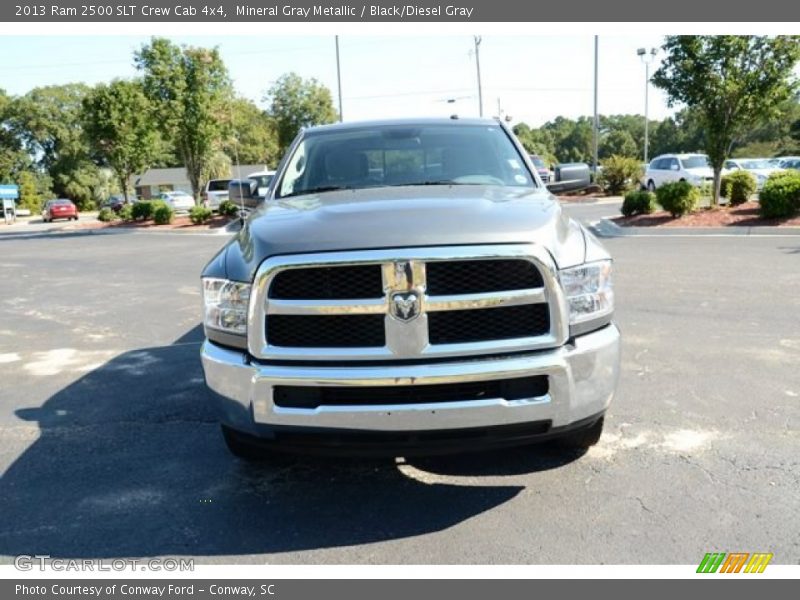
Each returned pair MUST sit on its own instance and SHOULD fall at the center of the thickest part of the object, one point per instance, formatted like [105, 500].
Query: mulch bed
[178, 222]
[744, 215]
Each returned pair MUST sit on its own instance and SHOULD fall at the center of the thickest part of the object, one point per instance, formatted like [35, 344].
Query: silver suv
[409, 287]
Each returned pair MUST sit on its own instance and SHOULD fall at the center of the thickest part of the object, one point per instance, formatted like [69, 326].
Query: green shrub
[126, 212]
[106, 215]
[142, 211]
[738, 186]
[619, 174]
[638, 203]
[780, 196]
[678, 197]
[162, 213]
[228, 208]
[200, 214]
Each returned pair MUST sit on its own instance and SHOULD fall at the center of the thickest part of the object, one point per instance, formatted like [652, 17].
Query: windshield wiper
[319, 189]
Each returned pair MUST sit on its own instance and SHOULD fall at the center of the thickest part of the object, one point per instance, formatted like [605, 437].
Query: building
[154, 181]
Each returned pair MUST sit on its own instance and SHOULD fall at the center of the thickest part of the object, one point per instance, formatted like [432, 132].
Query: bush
[228, 208]
[162, 213]
[678, 197]
[142, 211]
[638, 203]
[126, 212]
[106, 215]
[738, 187]
[780, 196]
[200, 214]
[619, 174]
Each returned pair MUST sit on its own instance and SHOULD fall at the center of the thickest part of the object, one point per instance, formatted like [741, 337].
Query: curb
[605, 227]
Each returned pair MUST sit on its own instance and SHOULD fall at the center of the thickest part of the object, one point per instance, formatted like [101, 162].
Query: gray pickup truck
[409, 286]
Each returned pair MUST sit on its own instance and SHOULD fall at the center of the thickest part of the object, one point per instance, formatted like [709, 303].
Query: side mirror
[244, 192]
[570, 177]
[675, 167]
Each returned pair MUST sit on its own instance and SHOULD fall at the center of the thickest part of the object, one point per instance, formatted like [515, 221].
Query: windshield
[695, 162]
[401, 155]
[218, 185]
[756, 164]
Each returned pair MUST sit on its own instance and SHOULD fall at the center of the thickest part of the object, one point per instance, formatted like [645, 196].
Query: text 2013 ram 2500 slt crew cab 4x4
[409, 286]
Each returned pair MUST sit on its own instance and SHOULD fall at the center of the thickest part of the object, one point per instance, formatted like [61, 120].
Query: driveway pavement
[109, 445]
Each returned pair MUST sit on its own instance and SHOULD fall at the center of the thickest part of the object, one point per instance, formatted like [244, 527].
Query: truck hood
[401, 217]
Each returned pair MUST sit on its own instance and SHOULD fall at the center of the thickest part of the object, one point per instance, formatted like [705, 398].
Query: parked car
[409, 286]
[760, 168]
[666, 168]
[216, 192]
[790, 162]
[115, 202]
[263, 179]
[179, 201]
[59, 208]
[541, 168]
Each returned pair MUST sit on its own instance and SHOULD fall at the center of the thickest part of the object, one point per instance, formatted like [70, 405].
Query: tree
[536, 141]
[731, 81]
[253, 138]
[191, 91]
[618, 143]
[13, 159]
[119, 123]
[296, 103]
[33, 188]
[47, 123]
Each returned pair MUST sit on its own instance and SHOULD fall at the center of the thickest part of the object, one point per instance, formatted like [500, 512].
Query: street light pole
[596, 116]
[339, 79]
[477, 40]
[647, 58]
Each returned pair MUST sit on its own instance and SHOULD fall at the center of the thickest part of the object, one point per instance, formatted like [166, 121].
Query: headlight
[225, 305]
[590, 295]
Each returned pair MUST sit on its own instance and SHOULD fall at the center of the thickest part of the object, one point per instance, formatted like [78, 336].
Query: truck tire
[240, 447]
[582, 439]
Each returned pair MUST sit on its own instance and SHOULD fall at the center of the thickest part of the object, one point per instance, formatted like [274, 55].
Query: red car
[60, 208]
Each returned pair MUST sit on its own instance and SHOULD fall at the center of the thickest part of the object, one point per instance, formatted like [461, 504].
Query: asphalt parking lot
[109, 445]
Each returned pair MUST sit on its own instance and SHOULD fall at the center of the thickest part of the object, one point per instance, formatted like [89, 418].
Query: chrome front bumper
[582, 375]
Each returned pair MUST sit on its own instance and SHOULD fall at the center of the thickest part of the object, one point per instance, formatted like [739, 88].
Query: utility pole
[477, 40]
[339, 79]
[596, 117]
[647, 58]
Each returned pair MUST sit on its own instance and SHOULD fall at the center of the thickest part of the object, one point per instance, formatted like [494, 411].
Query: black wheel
[583, 438]
[651, 186]
[240, 447]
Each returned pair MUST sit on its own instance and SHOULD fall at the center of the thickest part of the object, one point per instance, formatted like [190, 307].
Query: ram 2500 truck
[406, 287]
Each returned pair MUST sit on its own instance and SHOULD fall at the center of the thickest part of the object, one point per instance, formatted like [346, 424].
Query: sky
[534, 78]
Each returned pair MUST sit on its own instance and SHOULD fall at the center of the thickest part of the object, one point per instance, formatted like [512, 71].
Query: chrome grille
[406, 304]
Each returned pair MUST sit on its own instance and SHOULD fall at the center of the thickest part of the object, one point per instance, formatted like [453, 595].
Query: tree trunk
[123, 181]
[717, 186]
